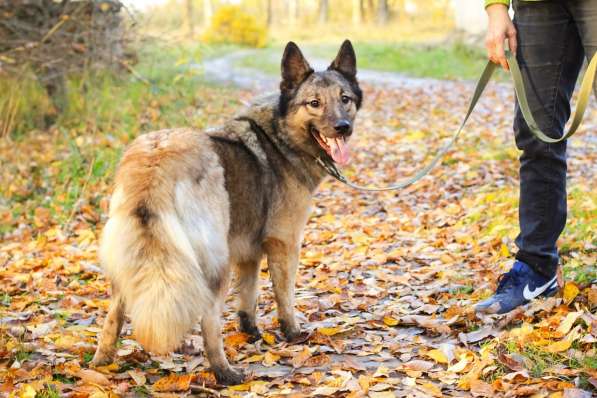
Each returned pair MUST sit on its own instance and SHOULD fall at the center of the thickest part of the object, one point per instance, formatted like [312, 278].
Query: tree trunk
[268, 11]
[207, 12]
[190, 18]
[324, 11]
[357, 12]
[382, 12]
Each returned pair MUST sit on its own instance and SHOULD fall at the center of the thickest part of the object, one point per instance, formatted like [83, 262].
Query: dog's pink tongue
[340, 151]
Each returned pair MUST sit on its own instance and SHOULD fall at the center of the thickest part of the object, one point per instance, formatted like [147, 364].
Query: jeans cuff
[546, 266]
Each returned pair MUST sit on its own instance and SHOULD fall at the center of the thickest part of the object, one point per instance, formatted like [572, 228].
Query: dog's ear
[346, 61]
[295, 67]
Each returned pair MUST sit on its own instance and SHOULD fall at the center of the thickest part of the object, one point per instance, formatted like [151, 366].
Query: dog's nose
[342, 127]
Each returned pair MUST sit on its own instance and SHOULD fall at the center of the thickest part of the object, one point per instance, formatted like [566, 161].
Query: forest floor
[386, 283]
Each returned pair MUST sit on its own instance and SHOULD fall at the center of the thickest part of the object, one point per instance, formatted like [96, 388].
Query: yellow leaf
[388, 320]
[173, 382]
[259, 387]
[438, 356]
[431, 389]
[567, 323]
[254, 358]
[570, 292]
[27, 391]
[329, 331]
[268, 338]
[559, 346]
[240, 387]
[270, 359]
[504, 252]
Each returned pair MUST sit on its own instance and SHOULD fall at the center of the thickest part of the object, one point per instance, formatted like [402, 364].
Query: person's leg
[550, 54]
[584, 13]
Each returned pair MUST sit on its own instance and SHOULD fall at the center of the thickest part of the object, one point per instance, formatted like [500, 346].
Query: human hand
[500, 28]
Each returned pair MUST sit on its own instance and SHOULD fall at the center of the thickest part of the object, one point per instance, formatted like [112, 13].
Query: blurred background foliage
[49, 71]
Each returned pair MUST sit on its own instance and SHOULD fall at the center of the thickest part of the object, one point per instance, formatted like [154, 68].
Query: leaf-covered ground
[386, 281]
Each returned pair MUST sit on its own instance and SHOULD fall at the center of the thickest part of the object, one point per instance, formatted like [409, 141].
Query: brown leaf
[301, 358]
[93, 377]
[481, 389]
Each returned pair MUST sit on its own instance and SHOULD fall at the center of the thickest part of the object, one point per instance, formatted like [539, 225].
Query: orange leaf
[173, 382]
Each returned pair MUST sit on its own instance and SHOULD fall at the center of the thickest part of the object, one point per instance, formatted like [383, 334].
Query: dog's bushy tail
[160, 265]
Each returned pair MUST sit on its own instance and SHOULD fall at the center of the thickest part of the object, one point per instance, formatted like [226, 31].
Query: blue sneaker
[517, 287]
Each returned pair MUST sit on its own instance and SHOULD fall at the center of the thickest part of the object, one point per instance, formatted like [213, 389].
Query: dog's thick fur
[188, 207]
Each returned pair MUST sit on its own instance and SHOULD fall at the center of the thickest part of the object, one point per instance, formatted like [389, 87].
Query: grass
[63, 167]
[452, 61]
[48, 392]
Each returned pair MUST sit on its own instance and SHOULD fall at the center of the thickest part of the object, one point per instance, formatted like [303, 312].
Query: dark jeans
[554, 38]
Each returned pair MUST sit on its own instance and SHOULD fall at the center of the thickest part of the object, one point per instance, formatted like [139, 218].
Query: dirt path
[225, 70]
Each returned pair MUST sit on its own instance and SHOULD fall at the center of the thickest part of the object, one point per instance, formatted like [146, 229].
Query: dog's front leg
[111, 330]
[282, 259]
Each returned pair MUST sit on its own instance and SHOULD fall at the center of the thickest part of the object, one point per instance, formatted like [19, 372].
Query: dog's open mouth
[336, 148]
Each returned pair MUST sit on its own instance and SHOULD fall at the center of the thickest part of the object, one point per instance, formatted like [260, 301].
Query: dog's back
[165, 241]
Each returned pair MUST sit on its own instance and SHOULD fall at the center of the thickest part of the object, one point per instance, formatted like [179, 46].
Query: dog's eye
[346, 99]
[314, 103]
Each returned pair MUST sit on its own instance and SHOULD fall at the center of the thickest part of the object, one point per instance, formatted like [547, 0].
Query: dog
[189, 208]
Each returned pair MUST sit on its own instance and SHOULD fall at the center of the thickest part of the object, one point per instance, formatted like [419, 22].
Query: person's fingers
[512, 43]
[499, 53]
[490, 46]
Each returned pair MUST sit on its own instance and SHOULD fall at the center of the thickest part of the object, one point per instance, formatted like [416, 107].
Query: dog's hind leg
[211, 330]
[248, 281]
[110, 332]
[282, 259]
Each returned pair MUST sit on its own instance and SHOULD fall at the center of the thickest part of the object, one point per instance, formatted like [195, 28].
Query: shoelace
[504, 279]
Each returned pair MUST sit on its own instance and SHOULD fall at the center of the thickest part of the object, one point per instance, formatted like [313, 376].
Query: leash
[583, 100]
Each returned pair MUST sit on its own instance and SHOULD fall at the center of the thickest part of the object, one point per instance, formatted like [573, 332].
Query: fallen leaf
[173, 383]
[268, 338]
[570, 292]
[438, 356]
[480, 388]
[93, 377]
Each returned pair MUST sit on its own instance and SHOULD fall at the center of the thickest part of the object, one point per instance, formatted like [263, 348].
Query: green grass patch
[48, 392]
[67, 165]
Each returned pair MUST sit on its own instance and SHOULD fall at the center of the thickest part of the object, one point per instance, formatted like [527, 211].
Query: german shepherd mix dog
[188, 207]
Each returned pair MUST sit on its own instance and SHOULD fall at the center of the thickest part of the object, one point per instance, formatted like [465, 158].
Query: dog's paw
[291, 333]
[248, 326]
[229, 376]
[100, 359]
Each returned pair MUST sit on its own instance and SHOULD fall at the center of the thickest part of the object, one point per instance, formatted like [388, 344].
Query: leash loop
[583, 99]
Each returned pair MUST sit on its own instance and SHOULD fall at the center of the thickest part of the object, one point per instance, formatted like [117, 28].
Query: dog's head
[319, 108]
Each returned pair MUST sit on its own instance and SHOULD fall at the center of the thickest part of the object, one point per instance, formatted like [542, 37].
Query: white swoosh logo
[529, 295]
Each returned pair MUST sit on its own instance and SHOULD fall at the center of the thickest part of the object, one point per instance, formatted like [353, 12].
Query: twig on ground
[196, 388]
